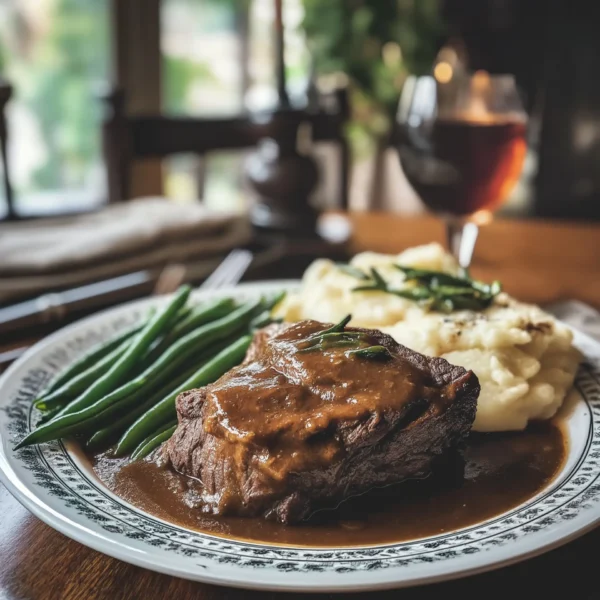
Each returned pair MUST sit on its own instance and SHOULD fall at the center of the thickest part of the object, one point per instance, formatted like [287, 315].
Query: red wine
[462, 166]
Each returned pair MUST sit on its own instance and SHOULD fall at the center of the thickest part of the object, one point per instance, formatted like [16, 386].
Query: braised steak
[302, 425]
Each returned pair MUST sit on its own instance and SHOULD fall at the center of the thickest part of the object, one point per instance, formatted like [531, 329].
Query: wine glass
[462, 145]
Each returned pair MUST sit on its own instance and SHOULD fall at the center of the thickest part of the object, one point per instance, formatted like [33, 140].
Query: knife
[55, 306]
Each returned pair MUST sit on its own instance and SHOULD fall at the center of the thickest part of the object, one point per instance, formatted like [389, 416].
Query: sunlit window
[55, 54]
[218, 60]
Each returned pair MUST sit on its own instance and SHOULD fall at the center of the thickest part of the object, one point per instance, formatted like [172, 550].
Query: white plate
[61, 491]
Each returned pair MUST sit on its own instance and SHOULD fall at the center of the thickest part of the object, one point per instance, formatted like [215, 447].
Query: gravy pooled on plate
[495, 473]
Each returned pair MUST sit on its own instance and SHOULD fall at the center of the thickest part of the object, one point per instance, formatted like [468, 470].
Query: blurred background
[218, 59]
[142, 141]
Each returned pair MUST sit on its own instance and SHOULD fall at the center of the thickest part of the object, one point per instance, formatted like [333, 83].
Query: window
[218, 59]
[218, 56]
[202, 75]
[55, 54]
[262, 92]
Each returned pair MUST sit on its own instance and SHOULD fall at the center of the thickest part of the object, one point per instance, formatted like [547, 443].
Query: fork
[227, 273]
[230, 271]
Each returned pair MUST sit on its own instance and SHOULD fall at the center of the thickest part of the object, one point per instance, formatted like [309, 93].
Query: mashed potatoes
[523, 357]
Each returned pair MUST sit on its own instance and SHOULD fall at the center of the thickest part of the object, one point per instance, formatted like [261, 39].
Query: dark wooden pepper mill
[281, 171]
[283, 175]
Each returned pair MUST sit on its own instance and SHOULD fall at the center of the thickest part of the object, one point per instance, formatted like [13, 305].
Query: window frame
[135, 66]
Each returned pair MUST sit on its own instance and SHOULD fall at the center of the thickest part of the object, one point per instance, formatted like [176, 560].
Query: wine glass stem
[461, 239]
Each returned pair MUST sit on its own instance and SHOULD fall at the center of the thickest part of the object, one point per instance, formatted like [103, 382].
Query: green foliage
[54, 75]
[350, 36]
[55, 78]
[179, 76]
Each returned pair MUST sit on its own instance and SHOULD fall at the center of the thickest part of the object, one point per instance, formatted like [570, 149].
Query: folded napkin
[145, 233]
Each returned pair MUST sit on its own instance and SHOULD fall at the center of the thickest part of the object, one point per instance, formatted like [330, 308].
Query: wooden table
[538, 262]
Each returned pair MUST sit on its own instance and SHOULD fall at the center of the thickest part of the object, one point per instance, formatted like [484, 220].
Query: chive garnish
[377, 283]
[434, 290]
[337, 337]
[353, 271]
[372, 353]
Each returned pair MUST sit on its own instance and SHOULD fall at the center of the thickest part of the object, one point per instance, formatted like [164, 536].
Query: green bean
[203, 313]
[184, 313]
[264, 318]
[177, 354]
[112, 378]
[261, 320]
[154, 441]
[79, 382]
[165, 411]
[105, 436]
[139, 406]
[99, 416]
[90, 358]
[199, 315]
[63, 396]
[272, 302]
[48, 415]
[65, 423]
[102, 416]
[85, 422]
[72, 389]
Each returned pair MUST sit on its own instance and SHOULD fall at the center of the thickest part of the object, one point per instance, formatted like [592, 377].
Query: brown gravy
[494, 473]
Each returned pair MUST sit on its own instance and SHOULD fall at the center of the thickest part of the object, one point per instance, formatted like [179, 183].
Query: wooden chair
[5, 95]
[127, 138]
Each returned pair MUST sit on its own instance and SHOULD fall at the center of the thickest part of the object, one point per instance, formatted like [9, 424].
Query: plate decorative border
[57, 474]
